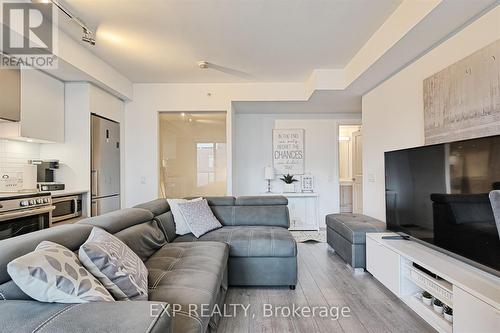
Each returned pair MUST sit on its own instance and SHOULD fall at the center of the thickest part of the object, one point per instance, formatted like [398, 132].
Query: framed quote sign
[288, 151]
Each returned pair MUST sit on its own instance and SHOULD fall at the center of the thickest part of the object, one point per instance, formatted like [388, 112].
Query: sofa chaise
[184, 273]
[262, 252]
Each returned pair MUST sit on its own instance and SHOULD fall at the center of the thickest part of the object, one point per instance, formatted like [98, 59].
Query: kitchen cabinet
[473, 295]
[383, 264]
[42, 109]
[471, 314]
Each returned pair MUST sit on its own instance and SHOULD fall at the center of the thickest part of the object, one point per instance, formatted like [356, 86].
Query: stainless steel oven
[23, 214]
[66, 208]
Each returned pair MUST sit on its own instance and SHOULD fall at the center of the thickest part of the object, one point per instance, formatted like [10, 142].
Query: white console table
[304, 210]
[473, 294]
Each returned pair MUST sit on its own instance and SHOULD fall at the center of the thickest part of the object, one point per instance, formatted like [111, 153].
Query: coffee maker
[45, 175]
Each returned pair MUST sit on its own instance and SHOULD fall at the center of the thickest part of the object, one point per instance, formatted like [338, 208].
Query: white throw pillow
[53, 274]
[181, 227]
[118, 268]
[199, 217]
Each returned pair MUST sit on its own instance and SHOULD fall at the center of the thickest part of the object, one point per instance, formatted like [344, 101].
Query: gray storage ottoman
[346, 234]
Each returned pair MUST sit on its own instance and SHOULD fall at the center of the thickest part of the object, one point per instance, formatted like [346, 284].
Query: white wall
[141, 125]
[82, 99]
[253, 151]
[393, 112]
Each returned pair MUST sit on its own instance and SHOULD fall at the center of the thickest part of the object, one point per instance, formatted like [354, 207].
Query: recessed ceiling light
[203, 64]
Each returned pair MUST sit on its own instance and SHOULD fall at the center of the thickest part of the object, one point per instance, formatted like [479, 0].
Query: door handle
[94, 208]
[94, 182]
[75, 211]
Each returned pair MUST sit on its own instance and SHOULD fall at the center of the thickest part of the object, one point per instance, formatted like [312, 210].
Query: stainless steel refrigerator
[105, 165]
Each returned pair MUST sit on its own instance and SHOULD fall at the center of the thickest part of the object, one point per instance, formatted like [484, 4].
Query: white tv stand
[473, 294]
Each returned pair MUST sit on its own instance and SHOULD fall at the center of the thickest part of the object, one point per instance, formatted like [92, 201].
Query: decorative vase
[288, 188]
[427, 301]
[438, 309]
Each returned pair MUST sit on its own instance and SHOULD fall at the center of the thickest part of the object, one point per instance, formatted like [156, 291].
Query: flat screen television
[439, 195]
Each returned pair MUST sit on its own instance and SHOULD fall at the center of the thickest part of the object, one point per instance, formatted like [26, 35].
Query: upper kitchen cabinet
[10, 90]
[41, 108]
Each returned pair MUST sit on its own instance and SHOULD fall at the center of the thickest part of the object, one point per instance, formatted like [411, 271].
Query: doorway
[193, 155]
[350, 144]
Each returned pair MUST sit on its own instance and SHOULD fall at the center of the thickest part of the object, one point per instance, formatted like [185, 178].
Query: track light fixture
[88, 35]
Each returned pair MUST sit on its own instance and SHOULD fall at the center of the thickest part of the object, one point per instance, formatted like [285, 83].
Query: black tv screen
[439, 194]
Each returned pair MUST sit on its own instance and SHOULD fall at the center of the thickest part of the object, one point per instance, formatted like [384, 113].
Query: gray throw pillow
[53, 274]
[118, 268]
[199, 217]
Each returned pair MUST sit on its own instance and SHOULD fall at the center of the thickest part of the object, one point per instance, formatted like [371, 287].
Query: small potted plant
[438, 306]
[448, 313]
[289, 180]
[426, 298]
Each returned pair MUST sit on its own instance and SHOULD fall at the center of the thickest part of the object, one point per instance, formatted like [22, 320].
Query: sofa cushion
[181, 226]
[106, 317]
[144, 239]
[166, 222]
[157, 206]
[118, 268]
[53, 274]
[268, 200]
[251, 241]
[67, 235]
[161, 210]
[188, 274]
[219, 201]
[199, 217]
[119, 219]
[354, 227]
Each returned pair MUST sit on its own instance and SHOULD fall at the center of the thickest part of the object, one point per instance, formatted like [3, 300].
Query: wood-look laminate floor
[324, 281]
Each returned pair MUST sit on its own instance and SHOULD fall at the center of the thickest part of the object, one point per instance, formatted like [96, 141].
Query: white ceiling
[246, 40]
[446, 20]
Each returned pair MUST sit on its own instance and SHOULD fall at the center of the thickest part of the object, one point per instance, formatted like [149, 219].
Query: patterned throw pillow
[181, 227]
[118, 268]
[199, 217]
[53, 274]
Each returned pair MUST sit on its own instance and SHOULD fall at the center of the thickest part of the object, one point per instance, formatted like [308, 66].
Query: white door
[357, 172]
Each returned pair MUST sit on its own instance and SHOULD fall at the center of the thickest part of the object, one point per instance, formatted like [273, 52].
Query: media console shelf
[473, 294]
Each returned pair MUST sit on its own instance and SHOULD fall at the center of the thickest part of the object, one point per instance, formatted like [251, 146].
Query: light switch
[371, 177]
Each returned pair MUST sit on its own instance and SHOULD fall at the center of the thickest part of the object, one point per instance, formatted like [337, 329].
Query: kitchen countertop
[14, 195]
[54, 194]
[63, 193]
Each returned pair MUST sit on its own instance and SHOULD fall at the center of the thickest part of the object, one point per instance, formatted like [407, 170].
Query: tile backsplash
[13, 153]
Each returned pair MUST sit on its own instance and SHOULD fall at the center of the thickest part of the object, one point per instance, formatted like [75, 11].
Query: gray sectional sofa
[253, 248]
[262, 252]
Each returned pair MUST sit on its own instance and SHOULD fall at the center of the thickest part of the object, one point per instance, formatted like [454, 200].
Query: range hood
[10, 95]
